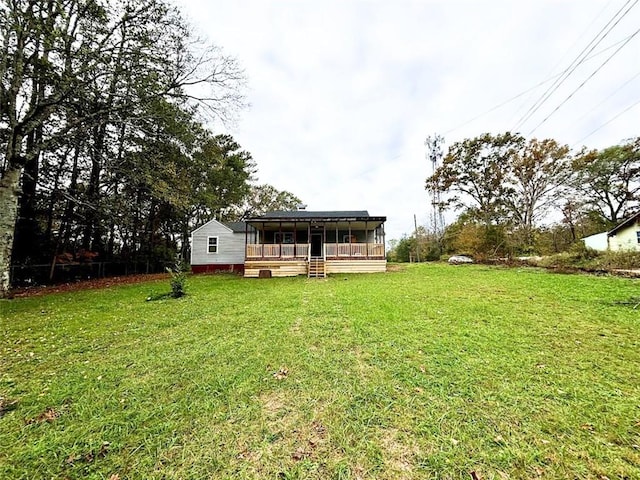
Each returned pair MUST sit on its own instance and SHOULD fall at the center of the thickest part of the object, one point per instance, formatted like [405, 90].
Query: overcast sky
[343, 93]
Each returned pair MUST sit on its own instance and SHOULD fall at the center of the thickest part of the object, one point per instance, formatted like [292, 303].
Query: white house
[626, 235]
[290, 243]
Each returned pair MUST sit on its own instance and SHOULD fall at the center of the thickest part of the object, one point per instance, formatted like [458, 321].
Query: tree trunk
[9, 195]
[65, 223]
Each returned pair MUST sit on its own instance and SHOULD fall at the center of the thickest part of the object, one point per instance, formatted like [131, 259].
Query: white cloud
[343, 93]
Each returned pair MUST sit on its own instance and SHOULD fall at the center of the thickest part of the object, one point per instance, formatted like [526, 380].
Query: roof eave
[628, 222]
[316, 219]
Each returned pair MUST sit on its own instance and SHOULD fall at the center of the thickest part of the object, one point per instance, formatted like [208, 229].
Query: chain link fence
[46, 274]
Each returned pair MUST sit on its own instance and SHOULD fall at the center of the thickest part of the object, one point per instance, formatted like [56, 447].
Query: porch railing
[354, 250]
[286, 250]
[302, 250]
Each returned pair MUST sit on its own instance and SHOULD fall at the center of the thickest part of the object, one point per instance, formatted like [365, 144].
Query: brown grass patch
[399, 453]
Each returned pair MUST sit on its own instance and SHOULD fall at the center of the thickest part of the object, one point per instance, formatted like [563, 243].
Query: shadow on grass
[164, 296]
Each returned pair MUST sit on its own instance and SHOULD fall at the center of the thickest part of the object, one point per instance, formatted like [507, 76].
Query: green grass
[432, 371]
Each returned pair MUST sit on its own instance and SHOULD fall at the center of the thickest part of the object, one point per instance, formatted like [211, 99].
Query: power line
[579, 60]
[584, 82]
[609, 96]
[515, 97]
[575, 44]
[607, 122]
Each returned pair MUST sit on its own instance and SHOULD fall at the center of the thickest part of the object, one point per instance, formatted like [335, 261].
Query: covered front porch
[315, 243]
[306, 240]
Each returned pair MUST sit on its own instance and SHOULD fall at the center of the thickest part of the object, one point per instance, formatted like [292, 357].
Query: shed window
[638, 235]
[212, 244]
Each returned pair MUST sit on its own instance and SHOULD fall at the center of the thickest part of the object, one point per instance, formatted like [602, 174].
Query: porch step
[316, 268]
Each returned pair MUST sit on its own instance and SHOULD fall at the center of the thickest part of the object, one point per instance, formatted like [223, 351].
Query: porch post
[350, 247]
[246, 239]
[280, 243]
[366, 238]
[324, 240]
[262, 241]
[337, 241]
[295, 239]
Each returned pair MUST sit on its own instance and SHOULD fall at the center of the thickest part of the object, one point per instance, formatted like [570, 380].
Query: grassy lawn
[432, 371]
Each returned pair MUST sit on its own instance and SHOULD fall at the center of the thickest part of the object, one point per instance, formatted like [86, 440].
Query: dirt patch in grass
[399, 454]
[92, 284]
[289, 435]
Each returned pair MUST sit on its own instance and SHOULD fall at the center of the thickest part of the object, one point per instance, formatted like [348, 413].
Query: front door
[316, 244]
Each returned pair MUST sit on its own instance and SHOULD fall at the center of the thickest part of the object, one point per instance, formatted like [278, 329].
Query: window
[349, 239]
[283, 237]
[212, 244]
[638, 235]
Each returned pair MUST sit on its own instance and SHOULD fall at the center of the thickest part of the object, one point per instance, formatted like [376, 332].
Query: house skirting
[278, 268]
[218, 268]
[355, 266]
[292, 268]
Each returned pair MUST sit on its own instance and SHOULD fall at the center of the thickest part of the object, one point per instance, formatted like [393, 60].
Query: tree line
[518, 196]
[106, 152]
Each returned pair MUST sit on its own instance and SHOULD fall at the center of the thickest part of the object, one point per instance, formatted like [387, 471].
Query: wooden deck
[289, 260]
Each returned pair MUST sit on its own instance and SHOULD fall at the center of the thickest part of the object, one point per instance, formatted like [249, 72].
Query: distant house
[217, 247]
[290, 243]
[626, 235]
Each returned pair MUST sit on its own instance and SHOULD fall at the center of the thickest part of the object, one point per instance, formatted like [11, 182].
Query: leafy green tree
[538, 176]
[475, 175]
[83, 86]
[264, 198]
[609, 180]
[469, 236]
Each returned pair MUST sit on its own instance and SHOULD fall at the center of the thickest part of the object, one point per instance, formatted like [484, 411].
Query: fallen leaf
[281, 374]
[319, 428]
[299, 454]
[49, 415]
[7, 405]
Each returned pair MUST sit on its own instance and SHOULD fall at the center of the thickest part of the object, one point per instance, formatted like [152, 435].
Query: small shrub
[623, 260]
[178, 278]
[579, 251]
